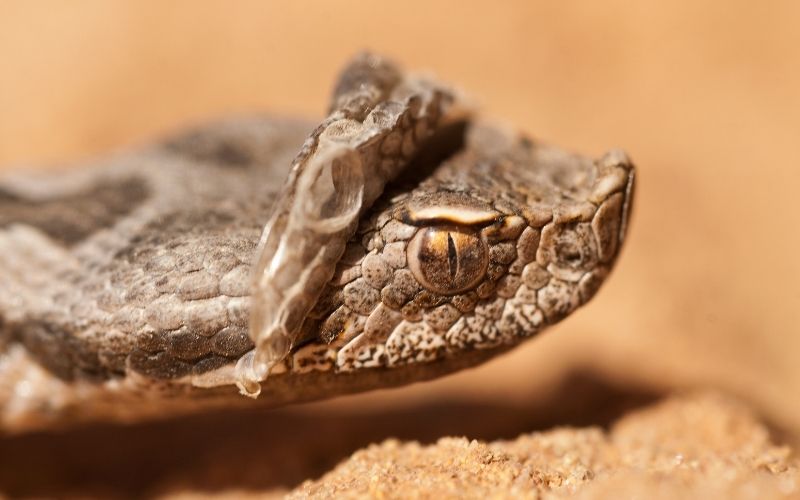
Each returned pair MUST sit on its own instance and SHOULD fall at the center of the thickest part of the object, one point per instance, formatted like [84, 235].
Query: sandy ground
[688, 447]
[703, 95]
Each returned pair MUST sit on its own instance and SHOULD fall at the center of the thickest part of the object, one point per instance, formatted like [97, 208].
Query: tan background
[705, 96]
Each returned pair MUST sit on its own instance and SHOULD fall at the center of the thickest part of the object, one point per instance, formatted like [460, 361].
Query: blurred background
[704, 96]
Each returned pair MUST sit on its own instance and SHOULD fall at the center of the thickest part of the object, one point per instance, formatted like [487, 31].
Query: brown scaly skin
[129, 282]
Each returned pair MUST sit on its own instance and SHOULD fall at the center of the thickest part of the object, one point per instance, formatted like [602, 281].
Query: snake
[402, 238]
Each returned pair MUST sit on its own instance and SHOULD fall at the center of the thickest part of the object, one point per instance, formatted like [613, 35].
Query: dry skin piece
[407, 239]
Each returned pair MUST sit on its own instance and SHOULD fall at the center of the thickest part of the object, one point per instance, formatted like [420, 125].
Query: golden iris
[447, 260]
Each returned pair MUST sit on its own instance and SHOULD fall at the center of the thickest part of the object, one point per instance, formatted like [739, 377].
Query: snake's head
[483, 240]
[478, 251]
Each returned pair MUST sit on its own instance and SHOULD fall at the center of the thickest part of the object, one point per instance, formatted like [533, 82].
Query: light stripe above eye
[456, 208]
[457, 215]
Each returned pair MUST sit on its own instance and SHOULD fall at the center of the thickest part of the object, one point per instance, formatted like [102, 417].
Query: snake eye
[447, 260]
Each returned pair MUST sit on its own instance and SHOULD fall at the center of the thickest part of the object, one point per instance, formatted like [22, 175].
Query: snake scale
[407, 239]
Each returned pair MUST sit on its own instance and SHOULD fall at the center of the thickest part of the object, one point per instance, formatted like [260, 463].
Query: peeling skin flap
[380, 121]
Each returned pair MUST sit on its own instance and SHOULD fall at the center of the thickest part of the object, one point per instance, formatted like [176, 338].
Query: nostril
[569, 254]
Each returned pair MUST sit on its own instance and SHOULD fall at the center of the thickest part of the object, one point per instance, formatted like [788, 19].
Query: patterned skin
[127, 287]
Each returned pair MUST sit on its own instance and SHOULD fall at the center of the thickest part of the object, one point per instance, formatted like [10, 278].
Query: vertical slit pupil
[452, 257]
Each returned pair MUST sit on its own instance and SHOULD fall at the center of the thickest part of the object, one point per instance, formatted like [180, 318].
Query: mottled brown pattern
[157, 301]
[70, 218]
